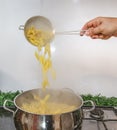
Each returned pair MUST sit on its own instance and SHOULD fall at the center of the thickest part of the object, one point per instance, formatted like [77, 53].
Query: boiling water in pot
[48, 101]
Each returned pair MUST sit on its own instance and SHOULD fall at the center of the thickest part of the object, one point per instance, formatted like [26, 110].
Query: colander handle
[6, 108]
[21, 27]
[92, 104]
[69, 90]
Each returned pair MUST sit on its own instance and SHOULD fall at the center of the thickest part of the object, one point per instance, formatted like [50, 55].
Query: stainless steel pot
[71, 120]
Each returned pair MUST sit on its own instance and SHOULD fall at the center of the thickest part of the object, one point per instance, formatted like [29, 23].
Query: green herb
[100, 100]
[8, 96]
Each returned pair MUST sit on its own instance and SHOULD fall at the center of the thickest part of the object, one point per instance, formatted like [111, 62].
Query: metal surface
[67, 121]
[64, 121]
[42, 23]
[39, 23]
[88, 123]
[62, 96]
[108, 122]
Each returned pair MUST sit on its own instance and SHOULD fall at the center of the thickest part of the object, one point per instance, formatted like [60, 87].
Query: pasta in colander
[38, 37]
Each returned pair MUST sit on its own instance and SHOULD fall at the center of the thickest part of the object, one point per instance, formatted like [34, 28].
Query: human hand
[100, 28]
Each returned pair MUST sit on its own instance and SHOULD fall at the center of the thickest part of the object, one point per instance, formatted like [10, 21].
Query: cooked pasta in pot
[43, 106]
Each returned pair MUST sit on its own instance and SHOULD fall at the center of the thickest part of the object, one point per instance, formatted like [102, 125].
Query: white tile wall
[82, 64]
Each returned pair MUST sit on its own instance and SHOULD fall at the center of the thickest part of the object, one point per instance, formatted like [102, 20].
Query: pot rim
[81, 99]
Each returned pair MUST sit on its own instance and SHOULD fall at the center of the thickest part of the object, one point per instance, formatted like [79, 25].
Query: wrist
[115, 30]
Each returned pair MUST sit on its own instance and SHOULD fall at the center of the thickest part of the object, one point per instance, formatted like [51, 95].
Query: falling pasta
[41, 39]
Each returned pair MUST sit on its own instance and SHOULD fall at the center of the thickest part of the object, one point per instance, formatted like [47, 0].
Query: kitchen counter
[6, 120]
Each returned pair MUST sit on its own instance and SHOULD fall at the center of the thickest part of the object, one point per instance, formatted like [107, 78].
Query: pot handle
[21, 27]
[92, 104]
[6, 108]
